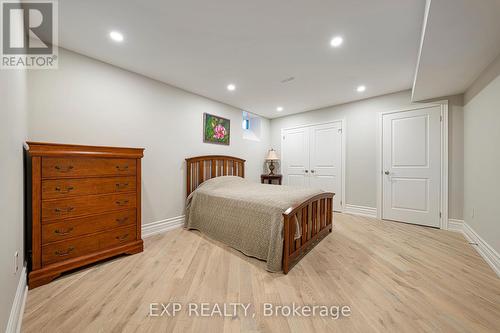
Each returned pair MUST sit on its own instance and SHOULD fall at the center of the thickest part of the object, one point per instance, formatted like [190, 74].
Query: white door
[326, 160]
[312, 157]
[411, 157]
[296, 166]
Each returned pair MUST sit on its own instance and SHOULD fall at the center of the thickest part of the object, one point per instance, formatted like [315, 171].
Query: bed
[277, 224]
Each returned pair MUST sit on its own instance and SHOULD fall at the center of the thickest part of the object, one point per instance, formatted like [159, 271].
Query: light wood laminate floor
[394, 277]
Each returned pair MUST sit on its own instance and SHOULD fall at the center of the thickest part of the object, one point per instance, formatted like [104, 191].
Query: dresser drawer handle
[122, 220]
[62, 169]
[121, 202]
[122, 237]
[64, 253]
[67, 190]
[122, 168]
[63, 232]
[64, 210]
[122, 185]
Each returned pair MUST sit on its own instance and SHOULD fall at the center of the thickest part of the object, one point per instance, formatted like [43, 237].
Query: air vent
[291, 78]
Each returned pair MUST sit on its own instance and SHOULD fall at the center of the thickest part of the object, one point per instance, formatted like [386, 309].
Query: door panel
[295, 151]
[409, 141]
[412, 163]
[326, 160]
[410, 194]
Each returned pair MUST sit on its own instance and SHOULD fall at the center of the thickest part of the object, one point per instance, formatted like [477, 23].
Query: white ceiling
[201, 46]
[461, 38]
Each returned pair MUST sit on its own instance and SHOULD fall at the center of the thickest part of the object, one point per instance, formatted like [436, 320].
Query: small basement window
[251, 124]
[246, 124]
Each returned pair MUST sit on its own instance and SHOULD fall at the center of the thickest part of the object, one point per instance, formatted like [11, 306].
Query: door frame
[443, 190]
[343, 153]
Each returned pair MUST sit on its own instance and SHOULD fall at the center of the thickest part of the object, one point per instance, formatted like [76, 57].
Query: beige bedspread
[244, 215]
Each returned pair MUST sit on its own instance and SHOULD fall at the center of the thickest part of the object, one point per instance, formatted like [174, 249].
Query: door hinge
[440, 118]
[283, 137]
[341, 202]
[440, 214]
[340, 130]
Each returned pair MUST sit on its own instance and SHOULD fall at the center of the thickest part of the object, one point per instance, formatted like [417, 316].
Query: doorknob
[312, 171]
[387, 172]
[306, 171]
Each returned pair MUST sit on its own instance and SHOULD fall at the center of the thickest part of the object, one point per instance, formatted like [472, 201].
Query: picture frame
[216, 130]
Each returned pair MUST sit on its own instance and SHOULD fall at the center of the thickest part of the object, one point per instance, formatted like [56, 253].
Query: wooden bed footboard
[315, 217]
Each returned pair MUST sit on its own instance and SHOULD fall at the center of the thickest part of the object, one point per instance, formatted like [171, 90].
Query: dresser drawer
[74, 227]
[53, 167]
[81, 206]
[62, 188]
[60, 251]
[117, 237]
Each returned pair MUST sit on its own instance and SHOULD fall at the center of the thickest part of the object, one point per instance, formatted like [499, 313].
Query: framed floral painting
[216, 129]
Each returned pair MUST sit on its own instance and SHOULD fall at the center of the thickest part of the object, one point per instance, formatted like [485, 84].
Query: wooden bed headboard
[201, 168]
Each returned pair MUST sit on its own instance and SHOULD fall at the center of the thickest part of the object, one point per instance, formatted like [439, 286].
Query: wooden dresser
[83, 205]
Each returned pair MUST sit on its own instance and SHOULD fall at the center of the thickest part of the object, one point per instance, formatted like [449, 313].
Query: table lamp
[271, 157]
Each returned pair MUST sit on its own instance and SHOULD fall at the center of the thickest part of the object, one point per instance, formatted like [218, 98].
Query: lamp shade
[272, 156]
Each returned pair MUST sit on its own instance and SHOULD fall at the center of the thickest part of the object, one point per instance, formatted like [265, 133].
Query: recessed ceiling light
[116, 36]
[336, 41]
[360, 88]
[231, 87]
[279, 108]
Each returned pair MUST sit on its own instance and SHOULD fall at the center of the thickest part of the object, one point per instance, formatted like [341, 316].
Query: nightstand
[270, 178]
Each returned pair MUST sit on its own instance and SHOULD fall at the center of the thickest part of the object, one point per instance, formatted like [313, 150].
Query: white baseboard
[361, 210]
[484, 249]
[456, 225]
[162, 226]
[17, 310]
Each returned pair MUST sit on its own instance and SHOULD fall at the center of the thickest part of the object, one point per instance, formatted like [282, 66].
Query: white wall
[361, 155]
[12, 135]
[482, 155]
[456, 157]
[89, 102]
